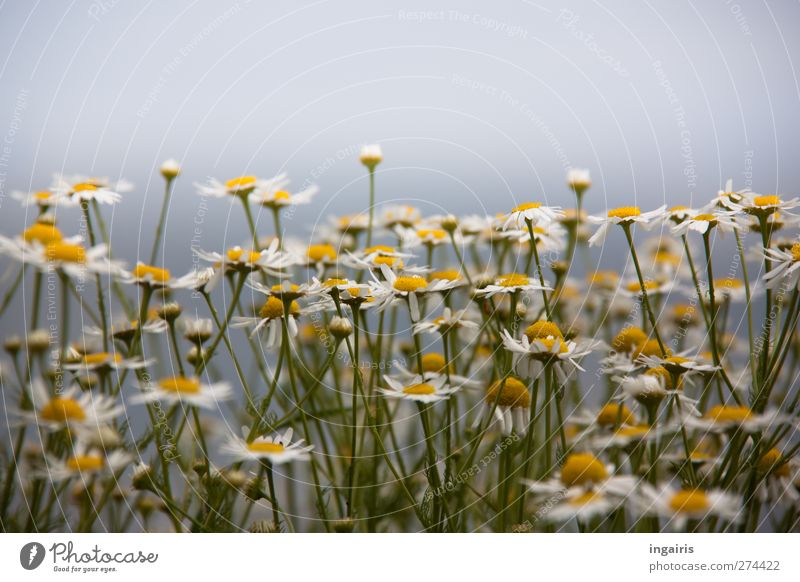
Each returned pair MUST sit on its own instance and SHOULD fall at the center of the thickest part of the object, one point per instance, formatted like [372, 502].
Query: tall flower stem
[12, 290]
[231, 308]
[539, 272]
[645, 299]
[101, 304]
[371, 204]
[250, 222]
[161, 219]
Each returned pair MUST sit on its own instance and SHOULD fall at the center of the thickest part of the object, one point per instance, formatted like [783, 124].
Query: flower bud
[170, 169]
[371, 156]
[340, 327]
[38, 340]
[169, 311]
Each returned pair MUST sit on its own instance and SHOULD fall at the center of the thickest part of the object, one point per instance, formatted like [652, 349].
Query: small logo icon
[31, 555]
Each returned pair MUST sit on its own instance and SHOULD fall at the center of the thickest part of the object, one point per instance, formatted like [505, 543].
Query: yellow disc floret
[628, 340]
[85, 463]
[142, 271]
[722, 413]
[512, 280]
[613, 414]
[42, 233]
[624, 212]
[511, 393]
[689, 501]
[65, 252]
[265, 447]
[582, 469]
[419, 389]
[543, 329]
[410, 284]
[319, 253]
[180, 384]
[63, 410]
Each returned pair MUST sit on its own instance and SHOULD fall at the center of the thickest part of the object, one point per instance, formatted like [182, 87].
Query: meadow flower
[579, 180]
[418, 389]
[170, 169]
[41, 198]
[393, 287]
[276, 450]
[511, 283]
[124, 329]
[624, 216]
[185, 390]
[531, 355]
[531, 212]
[722, 418]
[371, 155]
[762, 205]
[703, 221]
[270, 260]
[72, 408]
[101, 361]
[785, 267]
[449, 320]
[157, 278]
[273, 194]
[681, 505]
[402, 216]
[239, 186]
[72, 190]
[510, 400]
[375, 256]
[86, 462]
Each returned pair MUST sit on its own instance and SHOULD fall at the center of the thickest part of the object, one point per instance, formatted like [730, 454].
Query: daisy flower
[449, 320]
[433, 368]
[761, 205]
[418, 389]
[239, 186]
[101, 362]
[124, 330]
[72, 408]
[402, 216]
[653, 288]
[186, 390]
[510, 400]
[393, 288]
[624, 216]
[681, 505]
[157, 278]
[275, 196]
[371, 155]
[678, 364]
[271, 260]
[785, 267]
[722, 418]
[677, 214]
[72, 190]
[531, 355]
[421, 235]
[778, 477]
[41, 198]
[376, 256]
[511, 283]
[87, 462]
[531, 212]
[277, 449]
[579, 180]
[703, 222]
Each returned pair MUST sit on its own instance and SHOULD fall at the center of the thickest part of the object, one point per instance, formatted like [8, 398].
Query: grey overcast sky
[476, 104]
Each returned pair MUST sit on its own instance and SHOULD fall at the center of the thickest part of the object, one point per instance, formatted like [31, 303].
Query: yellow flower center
[668, 258]
[678, 208]
[43, 195]
[514, 394]
[410, 284]
[265, 447]
[624, 212]
[334, 282]
[628, 339]
[433, 233]
[235, 255]
[605, 279]
[527, 206]
[65, 252]
[379, 249]
[419, 389]
[728, 283]
[318, 253]
[773, 463]
[632, 431]
[542, 329]
[663, 374]
[651, 348]
[63, 410]
[722, 413]
[762, 201]
[282, 195]
[513, 280]
[273, 308]
[612, 414]
[85, 463]
[84, 187]
[450, 275]
[101, 358]
[389, 261]
[635, 287]
[241, 182]
[705, 218]
[42, 233]
[550, 342]
[582, 469]
[796, 252]
[142, 271]
[433, 362]
[689, 501]
[180, 384]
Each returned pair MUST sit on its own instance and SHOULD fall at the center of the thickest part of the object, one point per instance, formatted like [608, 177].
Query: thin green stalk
[161, 219]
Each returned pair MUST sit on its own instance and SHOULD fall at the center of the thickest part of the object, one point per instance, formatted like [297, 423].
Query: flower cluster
[404, 372]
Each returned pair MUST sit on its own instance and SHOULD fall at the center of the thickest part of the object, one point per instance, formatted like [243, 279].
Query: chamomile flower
[376, 256]
[270, 260]
[763, 205]
[371, 155]
[433, 368]
[418, 389]
[42, 198]
[777, 477]
[625, 217]
[449, 320]
[511, 283]
[422, 235]
[533, 212]
[271, 195]
[723, 418]
[239, 186]
[186, 390]
[403, 287]
[72, 190]
[124, 329]
[654, 288]
[583, 472]
[703, 221]
[785, 270]
[101, 362]
[157, 278]
[276, 450]
[86, 462]
[681, 505]
[72, 408]
[402, 216]
[678, 364]
[531, 355]
[510, 400]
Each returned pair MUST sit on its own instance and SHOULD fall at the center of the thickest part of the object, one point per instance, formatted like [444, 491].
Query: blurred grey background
[476, 104]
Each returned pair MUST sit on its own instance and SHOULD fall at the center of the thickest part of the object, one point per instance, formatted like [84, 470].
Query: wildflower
[371, 156]
[531, 355]
[533, 213]
[73, 190]
[271, 260]
[101, 362]
[785, 267]
[761, 205]
[418, 389]
[449, 320]
[186, 390]
[86, 462]
[625, 217]
[276, 450]
[157, 278]
[510, 400]
[681, 505]
[170, 169]
[703, 222]
[511, 283]
[402, 216]
[71, 408]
